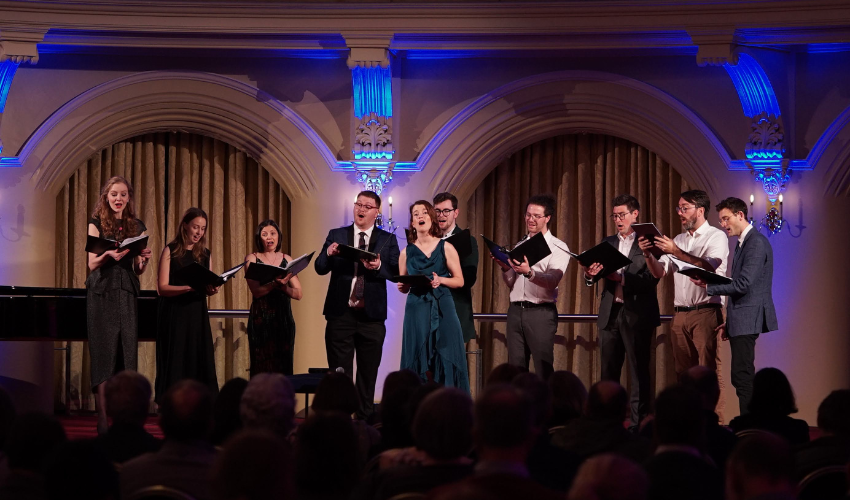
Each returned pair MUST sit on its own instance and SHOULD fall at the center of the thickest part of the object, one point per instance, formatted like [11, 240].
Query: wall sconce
[773, 178]
[772, 220]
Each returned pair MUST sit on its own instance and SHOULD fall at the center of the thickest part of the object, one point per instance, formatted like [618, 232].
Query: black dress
[111, 313]
[271, 332]
[184, 346]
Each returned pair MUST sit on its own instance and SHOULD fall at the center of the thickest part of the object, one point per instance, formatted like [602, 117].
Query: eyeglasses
[445, 211]
[534, 216]
[683, 208]
[359, 205]
[725, 220]
[619, 216]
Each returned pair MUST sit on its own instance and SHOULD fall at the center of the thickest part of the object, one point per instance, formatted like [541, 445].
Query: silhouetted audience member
[504, 374]
[719, 440]
[609, 477]
[568, 397]
[128, 398]
[549, 465]
[600, 429]
[81, 470]
[833, 447]
[254, 465]
[679, 470]
[7, 419]
[226, 418]
[336, 392]
[327, 462]
[32, 439]
[268, 403]
[394, 417]
[760, 467]
[442, 432]
[504, 435]
[772, 403]
[186, 456]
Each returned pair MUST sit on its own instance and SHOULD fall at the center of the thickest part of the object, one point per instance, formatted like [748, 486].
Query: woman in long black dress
[113, 289]
[271, 327]
[184, 347]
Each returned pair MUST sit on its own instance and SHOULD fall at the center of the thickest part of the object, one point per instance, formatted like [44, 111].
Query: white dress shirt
[450, 231]
[707, 243]
[352, 301]
[542, 286]
[624, 245]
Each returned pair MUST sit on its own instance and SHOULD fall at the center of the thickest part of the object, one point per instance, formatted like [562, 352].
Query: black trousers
[743, 368]
[531, 332]
[355, 333]
[618, 342]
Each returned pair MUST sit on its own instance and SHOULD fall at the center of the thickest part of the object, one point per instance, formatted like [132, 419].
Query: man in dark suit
[628, 310]
[750, 310]
[446, 206]
[356, 304]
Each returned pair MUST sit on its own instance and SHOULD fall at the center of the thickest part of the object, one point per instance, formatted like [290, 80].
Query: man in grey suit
[750, 310]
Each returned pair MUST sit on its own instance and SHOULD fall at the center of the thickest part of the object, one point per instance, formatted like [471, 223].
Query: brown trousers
[694, 339]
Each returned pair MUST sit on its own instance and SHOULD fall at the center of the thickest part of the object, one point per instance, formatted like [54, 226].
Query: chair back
[826, 483]
[159, 492]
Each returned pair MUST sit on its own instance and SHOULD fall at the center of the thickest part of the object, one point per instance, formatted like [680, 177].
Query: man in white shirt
[628, 311]
[698, 316]
[532, 315]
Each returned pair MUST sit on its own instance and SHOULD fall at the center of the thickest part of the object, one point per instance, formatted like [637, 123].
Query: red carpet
[84, 426]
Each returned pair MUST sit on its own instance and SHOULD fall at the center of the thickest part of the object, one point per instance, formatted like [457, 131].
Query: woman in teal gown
[432, 342]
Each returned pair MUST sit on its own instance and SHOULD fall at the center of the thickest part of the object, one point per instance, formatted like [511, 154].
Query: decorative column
[17, 46]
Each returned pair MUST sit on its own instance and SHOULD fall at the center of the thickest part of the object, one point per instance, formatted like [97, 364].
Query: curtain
[584, 172]
[170, 172]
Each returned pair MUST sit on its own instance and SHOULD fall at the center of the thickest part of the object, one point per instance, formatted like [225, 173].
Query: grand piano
[35, 313]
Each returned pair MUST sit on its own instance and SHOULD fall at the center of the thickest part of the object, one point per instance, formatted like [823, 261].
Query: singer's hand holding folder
[692, 271]
[534, 249]
[264, 273]
[650, 232]
[604, 254]
[199, 277]
[414, 280]
[98, 245]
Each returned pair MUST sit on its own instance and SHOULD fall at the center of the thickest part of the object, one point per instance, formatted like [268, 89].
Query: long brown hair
[181, 239]
[108, 225]
[435, 228]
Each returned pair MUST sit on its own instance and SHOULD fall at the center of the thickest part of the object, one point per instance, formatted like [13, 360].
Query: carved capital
[374, 177]
[766, 137]
[715, 46]
[20, 45]
[368, 50]
[373, 137]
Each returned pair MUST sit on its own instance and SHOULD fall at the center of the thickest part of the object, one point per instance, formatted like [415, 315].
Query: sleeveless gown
[433, 338]
[271, 332]
[184, 346]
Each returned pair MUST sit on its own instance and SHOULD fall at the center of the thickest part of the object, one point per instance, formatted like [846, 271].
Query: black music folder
[417, 280]
[98, 245]
[355, 254]
[534, 248]
[199, 277]
[693, 271]
[265, 274]
[650, 232]
[461, 243]
[605, 254]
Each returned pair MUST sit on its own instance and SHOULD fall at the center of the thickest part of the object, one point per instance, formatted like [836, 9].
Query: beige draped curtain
[171, 172]
[585, 172]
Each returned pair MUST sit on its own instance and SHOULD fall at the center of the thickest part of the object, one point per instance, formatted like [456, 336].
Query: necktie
[360, 283]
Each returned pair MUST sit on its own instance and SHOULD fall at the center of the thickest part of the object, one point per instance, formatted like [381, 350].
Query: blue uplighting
[372, 91]
[7, 73]
[753, 87]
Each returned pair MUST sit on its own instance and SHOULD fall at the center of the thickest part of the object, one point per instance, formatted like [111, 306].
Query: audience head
[254, 465]
[679, 417]
[442, 427]
[336, 392]
[772, 394]
[759, 465]
[568, 396]
[80, 470]
[607, 400]
[504, 419]
[395, 420]
[268, 403]
[704, 381]
[226, 419]
[609, 477]
[34, 436]
[504, 374]
[538, 392]
[7, 417]
[185, 413]
[326, 447]
[834, 413]
[128, 398]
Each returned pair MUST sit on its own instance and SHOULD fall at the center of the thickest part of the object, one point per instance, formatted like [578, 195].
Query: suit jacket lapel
[457, 230]
[635, 250]
[351, 235]
[374, 239]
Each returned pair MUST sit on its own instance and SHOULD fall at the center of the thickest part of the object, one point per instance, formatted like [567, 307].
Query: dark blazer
[750, 309]
[342, 272]
[463, 295]
[640, 302]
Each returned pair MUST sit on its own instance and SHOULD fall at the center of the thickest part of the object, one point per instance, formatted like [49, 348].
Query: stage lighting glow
[372, 91]
[7, 74]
